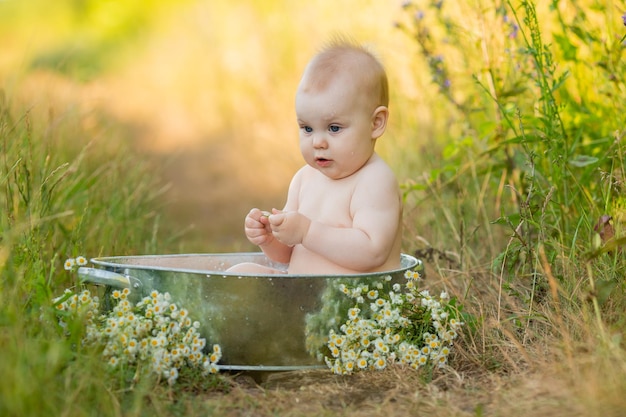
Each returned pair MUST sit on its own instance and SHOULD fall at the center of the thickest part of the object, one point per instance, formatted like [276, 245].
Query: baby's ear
[379, 121]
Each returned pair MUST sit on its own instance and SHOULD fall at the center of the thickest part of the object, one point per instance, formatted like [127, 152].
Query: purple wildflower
[512, 26]
[624, 18]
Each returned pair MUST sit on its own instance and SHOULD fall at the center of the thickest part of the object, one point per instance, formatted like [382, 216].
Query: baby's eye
[334, 128]
[307, 129]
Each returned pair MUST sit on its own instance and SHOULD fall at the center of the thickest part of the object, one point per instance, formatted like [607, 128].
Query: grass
[508, 159]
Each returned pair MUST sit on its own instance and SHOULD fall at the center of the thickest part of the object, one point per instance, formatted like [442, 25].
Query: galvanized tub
[258, 320]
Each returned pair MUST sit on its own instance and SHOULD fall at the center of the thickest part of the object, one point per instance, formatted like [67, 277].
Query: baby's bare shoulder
[378, 173]
[377, 187]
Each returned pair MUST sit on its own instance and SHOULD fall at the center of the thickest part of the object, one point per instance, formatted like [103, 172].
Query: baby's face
[336, 127]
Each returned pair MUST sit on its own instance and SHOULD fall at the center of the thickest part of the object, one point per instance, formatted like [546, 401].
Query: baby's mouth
[323, 162]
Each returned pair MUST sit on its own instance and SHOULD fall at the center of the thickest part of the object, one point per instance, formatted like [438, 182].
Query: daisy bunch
[387, 323]
[154, 334]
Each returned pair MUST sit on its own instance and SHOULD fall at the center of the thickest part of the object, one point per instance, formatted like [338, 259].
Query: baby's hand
[289, 227]
[257, 227]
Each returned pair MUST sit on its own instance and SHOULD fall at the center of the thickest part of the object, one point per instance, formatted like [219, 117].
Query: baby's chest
[328, 205]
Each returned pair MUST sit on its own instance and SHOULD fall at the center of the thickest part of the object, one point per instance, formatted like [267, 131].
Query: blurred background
[204, 89]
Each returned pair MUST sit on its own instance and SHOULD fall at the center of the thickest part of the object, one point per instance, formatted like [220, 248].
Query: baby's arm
[363, 247]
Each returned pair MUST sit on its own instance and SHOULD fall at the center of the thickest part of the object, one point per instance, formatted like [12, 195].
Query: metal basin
[258, 320]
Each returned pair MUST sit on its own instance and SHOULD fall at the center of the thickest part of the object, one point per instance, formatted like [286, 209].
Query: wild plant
[542, 149]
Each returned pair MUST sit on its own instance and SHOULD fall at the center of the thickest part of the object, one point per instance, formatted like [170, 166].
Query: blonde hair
[344, 56]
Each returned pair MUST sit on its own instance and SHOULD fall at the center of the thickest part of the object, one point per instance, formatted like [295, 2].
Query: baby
[343, 210]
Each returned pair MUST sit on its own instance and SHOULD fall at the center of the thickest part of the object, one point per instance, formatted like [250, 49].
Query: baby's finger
[252, 223]
[277, 219]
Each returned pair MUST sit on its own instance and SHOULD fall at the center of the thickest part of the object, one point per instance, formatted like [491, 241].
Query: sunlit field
[152, 127]
[207, 86]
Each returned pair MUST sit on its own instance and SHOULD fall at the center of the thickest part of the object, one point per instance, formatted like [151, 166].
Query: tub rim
[108, 262]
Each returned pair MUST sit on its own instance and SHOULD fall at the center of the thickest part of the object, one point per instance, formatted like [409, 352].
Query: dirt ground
[397, 392]
[213, 183]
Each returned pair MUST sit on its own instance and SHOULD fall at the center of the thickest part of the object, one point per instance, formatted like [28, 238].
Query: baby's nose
[319, 141]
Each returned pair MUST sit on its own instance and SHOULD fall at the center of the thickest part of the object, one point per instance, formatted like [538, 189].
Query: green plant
[546, 149]
[59, 195]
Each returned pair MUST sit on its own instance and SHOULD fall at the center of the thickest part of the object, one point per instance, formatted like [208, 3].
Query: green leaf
[509, 220]
[569, 50]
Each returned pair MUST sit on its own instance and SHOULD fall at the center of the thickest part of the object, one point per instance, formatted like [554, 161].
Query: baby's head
[349, 65]
[341, 105]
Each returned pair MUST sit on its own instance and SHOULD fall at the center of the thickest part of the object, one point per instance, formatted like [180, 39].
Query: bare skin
[343, 208]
